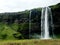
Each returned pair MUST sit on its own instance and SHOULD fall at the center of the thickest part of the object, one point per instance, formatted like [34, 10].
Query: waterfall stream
[45, 22]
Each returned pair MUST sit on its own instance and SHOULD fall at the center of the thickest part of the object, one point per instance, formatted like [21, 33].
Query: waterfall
[30, 23]
[45, 23]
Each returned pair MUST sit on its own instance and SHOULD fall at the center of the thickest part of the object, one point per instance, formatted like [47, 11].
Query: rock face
[56, 18]
[36, 16]
[22, 18]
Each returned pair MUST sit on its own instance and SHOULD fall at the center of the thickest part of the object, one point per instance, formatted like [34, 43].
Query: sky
[21, 5]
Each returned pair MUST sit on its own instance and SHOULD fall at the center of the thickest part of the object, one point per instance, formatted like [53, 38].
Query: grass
[31, 42]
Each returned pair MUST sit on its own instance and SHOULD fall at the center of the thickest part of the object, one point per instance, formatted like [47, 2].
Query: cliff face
[21, 21]
[56, 18]
[36, 16]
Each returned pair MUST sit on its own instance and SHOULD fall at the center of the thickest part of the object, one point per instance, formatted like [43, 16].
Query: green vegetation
[30, 42]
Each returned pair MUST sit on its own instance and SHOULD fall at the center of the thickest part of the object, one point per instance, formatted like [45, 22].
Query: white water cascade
[45, 23]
